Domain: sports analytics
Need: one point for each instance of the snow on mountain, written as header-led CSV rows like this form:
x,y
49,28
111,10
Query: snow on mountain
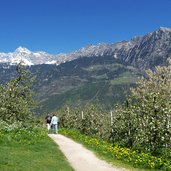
x,y
26,56
21,50
139,50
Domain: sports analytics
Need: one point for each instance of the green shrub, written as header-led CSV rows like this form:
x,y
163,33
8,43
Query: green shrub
x,y
18,133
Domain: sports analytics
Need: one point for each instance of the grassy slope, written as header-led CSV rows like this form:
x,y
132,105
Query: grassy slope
x,y
105,93
109,83
41,156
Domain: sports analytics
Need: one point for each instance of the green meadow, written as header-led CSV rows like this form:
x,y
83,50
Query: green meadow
x,y
29,151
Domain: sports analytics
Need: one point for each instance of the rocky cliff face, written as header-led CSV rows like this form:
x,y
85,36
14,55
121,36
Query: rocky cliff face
x,y
151,50
142,52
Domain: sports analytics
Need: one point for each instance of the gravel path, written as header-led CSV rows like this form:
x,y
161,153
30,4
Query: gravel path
x,y
79,157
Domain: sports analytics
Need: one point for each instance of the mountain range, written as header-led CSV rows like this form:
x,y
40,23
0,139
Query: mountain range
x,y
141,51
103,71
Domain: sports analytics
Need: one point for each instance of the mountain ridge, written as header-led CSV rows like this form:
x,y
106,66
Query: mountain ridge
x,y
135,52
103,72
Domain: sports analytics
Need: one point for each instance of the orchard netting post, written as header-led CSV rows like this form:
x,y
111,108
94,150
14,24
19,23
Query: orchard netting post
x,y
82,115
111,117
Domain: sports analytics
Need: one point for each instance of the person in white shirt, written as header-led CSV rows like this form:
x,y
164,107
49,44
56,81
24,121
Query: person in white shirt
x,y
54,123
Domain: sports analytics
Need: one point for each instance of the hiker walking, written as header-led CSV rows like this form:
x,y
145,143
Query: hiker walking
x,y
54,123
48,122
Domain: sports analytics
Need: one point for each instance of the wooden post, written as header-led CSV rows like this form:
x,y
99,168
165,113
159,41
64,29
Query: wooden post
x,y
82,115
68,110
111,118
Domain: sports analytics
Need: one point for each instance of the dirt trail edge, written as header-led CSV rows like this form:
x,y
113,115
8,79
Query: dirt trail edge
x,y
79,157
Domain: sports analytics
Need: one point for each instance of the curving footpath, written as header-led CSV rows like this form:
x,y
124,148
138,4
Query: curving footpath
x,y
79,157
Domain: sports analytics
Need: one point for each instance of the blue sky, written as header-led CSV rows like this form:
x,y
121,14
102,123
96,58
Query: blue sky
x,y
61,26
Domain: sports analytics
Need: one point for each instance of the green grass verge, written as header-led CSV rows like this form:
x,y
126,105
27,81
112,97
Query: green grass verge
x,y
116,155
42,155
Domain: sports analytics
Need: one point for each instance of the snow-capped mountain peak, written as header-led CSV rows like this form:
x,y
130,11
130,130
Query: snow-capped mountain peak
x,y
26,56
139,49
22,50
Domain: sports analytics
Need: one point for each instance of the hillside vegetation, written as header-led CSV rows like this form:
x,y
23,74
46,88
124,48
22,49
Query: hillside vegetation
x,y
139,131
83,82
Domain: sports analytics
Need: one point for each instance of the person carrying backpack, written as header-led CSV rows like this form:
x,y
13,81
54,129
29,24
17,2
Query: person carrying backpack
x,y
48,122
